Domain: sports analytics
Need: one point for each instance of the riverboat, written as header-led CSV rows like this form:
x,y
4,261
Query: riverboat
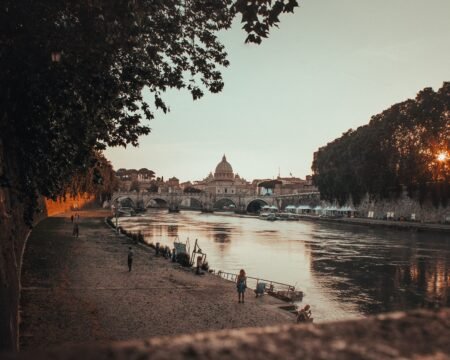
x,y
268,213
288,216
271,217
174,210
288,296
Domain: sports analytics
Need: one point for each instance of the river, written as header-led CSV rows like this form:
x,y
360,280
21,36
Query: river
x,y
345,271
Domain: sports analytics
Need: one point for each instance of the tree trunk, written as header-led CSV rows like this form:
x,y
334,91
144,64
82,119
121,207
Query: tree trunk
x,y
13,234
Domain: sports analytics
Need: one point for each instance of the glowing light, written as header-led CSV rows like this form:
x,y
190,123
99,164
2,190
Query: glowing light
x,y
442,156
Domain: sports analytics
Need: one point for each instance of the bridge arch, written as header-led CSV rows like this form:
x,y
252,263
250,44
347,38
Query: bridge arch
x,y
156,202
191,202
124,201
255,205
224,204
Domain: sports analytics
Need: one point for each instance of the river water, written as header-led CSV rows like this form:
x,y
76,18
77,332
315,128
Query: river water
x,y
345,271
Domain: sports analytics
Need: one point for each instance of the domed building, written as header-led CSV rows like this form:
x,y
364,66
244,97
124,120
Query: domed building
x,y
224,171
224,181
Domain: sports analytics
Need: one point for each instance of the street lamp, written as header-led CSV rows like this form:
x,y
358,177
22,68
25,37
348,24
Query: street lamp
x,y
56,56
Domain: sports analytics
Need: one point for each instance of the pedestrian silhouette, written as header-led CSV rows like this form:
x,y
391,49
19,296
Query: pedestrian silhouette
x,y
130,258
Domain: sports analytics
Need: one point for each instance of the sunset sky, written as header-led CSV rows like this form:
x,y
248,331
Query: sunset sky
x,y
330,67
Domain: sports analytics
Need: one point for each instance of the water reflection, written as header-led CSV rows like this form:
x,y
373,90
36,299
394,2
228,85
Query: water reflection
x,y
346,271
221,234
172,230
391,271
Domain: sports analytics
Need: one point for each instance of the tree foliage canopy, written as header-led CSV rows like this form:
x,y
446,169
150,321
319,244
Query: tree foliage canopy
x,y
98,179
407,145
73,73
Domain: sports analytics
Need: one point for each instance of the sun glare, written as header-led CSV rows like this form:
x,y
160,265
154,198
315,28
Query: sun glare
x,y
442,156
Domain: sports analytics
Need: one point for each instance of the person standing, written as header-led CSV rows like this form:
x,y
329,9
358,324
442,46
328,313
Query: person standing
x,y
174,255
241,285
71,218
199,264
130,258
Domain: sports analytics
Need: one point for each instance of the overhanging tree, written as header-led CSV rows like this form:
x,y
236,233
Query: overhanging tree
x,y
73,74
71,83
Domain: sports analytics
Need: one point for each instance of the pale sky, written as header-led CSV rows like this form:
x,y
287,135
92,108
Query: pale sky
x,y
328,68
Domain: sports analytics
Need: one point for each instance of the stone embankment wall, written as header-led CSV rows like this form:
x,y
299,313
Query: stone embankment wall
x,y
415,335
404,206
68,203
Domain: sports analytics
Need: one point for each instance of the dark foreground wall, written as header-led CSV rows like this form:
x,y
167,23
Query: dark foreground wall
x,y
13,234
415,335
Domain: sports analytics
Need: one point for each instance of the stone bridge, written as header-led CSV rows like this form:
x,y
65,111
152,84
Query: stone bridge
x,y
248,203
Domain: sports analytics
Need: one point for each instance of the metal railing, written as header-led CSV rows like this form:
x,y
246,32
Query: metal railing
x,y
271,286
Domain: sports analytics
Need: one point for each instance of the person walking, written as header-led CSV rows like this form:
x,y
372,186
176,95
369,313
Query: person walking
x,y
130,258
241,285
76,230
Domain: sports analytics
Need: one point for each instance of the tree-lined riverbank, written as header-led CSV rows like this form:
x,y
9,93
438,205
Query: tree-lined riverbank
x,y
80,290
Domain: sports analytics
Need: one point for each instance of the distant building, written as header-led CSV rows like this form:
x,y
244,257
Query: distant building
x,y
132,179
224,181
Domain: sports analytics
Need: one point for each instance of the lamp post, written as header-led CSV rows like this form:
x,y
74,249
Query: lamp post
x,y
56,56
116,214
117,220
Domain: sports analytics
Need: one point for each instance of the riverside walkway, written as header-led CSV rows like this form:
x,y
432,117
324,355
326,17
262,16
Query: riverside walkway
x,y
78,291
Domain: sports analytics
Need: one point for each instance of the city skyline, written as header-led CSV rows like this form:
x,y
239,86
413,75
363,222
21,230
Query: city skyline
x,y
329,68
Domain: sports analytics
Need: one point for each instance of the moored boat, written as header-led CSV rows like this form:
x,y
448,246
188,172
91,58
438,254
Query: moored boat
x,y
268,213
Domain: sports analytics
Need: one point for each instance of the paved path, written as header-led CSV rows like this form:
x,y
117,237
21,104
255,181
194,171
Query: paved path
x,y
80,290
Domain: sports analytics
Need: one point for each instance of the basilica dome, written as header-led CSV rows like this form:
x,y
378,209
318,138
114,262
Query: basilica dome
x,y
224,171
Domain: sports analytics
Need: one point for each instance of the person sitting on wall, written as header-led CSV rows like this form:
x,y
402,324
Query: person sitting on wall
x,y
304,315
